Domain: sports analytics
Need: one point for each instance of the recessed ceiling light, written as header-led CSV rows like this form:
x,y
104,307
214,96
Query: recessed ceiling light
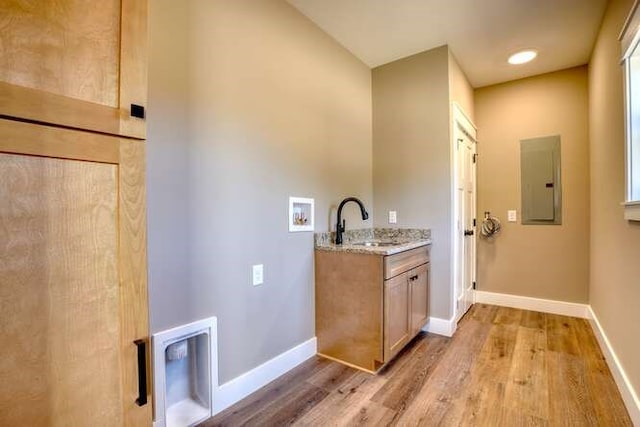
x,y
523,57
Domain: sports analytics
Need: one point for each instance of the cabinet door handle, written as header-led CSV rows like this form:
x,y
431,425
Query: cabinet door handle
x,y
142,372
137,111
412,278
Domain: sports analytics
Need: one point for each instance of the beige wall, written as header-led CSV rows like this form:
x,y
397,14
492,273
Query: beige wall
x,y
251,103
412,156
167,163
275,108
615,243
460,91
544,261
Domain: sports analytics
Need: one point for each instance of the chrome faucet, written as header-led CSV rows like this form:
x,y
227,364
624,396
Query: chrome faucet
x,y
341,223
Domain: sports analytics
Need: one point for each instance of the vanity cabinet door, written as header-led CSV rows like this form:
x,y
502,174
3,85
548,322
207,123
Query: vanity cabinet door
x,y
419,283
397,321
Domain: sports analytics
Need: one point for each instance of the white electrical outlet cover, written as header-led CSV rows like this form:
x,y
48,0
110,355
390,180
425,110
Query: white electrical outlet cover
x,y
393,217
512,216
257,274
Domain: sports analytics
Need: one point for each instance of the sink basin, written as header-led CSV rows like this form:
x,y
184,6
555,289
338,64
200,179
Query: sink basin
x,y
377,243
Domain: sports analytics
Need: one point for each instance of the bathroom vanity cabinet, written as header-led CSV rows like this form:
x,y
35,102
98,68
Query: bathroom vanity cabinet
x,y
369,306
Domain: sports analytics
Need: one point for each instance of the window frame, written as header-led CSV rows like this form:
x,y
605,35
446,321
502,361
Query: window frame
x,y
630,42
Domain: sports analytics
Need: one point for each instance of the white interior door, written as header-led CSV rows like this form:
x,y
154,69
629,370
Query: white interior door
x,y
465,229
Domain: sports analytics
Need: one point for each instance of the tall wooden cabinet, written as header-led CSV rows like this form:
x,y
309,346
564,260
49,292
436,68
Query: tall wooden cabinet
x,y
73,271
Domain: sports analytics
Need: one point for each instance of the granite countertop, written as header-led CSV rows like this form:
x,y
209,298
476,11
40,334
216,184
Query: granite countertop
x,y
403,239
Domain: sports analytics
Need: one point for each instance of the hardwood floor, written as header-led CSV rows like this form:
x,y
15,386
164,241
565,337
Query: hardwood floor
x,y
504,367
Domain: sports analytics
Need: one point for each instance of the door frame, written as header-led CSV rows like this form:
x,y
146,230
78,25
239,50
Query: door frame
x,y
459,119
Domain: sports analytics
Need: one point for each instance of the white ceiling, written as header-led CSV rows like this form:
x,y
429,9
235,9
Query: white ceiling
x,y
480,33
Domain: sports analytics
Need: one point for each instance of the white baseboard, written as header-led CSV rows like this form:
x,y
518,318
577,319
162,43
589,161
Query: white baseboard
x,y
439,326
629,395
240,387
534,304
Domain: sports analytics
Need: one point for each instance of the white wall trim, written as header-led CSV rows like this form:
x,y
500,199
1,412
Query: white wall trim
x,y
629,396
534,304
439,326
240,387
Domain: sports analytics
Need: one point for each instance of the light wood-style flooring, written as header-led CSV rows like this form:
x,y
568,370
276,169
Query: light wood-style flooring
x,y
503,367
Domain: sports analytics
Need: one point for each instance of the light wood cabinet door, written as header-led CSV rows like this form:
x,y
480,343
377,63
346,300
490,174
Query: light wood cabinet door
x,y
73,284
73,291
419,283
396,315
75,63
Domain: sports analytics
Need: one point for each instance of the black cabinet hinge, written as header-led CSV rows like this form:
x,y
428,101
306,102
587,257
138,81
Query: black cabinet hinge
x,y
474,285
474,222
475,158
